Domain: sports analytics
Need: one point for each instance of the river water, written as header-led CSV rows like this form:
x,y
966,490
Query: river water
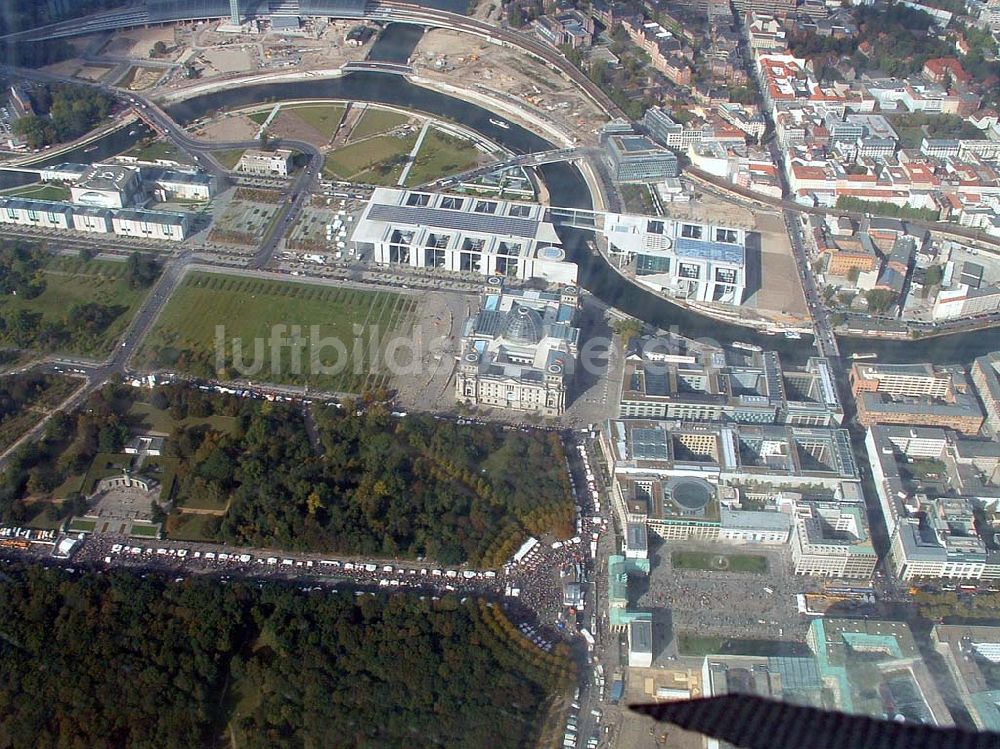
x,y
396,43
567,188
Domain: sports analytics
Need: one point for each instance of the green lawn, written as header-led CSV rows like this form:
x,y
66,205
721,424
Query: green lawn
x,y
260,117
40,191
158,149
441,155
191,527
70,281
148,418
41,519
377,161
375,121
146,531
87,526
696,560
72,485
230,158
325,118
250,310
202,503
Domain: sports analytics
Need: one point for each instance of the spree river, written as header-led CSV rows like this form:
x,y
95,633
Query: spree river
x,y
567,188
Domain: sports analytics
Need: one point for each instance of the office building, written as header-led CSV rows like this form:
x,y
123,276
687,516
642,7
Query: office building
x,y
986,377
635,159
929,483
275,163
43,214
872,667
707,387
917,394
151,224
168,184
831,540
519,351
94,220
462,234
640,643
971,654
46,214
741,484
692,261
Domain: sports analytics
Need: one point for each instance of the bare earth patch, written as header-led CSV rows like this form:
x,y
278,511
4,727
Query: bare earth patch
x,y
228,129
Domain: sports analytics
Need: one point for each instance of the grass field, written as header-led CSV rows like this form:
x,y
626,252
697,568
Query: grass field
x,y
230,158
376,161
324,118
440,155
72,485
148,418
158,149
40,191
70,281
375,121
260,117
146,531
250,311
696,560
87,526
191,527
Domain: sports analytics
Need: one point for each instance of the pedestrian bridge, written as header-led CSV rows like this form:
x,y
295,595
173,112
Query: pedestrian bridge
x,y
378,67
538,158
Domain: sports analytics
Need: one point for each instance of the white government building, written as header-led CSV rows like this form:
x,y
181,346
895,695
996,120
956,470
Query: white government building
x,y
47,214
265,163
462,234
103,200
519,350
687,260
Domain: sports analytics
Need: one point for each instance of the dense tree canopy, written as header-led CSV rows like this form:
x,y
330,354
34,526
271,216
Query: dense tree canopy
x,y
63,112
21,266
896,37
122,660
366,483
409,487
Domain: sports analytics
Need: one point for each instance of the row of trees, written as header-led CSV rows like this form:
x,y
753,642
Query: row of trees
x,y
123,660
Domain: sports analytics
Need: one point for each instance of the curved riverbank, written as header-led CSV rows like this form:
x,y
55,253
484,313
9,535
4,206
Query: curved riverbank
x,y
567,187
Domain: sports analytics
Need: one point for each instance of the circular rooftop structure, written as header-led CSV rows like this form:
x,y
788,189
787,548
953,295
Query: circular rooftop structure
x,y
552,253
690,495
523,326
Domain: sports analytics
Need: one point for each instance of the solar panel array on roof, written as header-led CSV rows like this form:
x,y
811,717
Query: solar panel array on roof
x,y
649,444
455,220
702,249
